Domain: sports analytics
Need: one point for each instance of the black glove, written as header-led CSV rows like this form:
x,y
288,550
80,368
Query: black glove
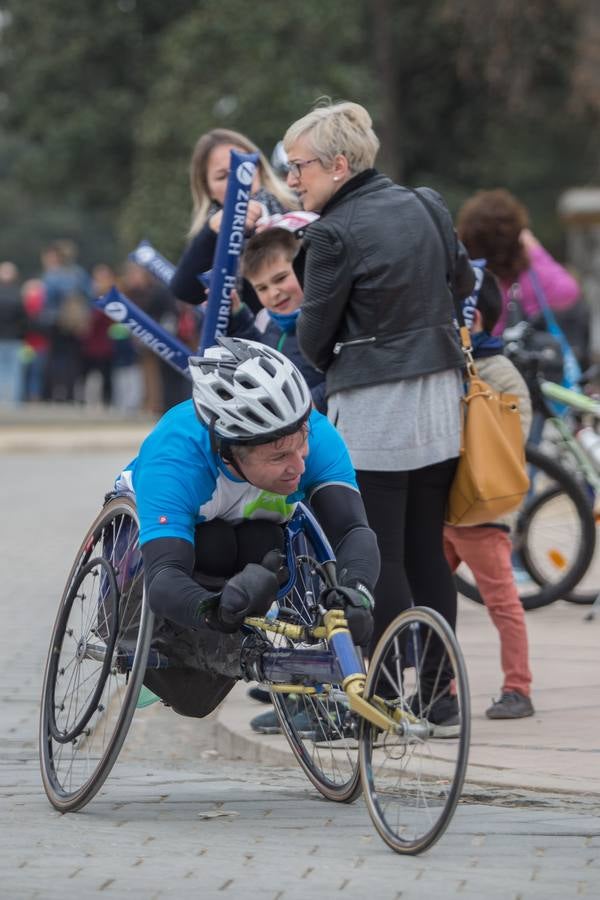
x,y
357,604
249,593
359,613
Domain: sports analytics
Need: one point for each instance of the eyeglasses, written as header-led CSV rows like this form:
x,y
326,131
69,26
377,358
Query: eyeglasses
x,y
295,168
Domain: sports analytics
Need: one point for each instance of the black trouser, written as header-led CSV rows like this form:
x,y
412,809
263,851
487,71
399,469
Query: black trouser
x,y
205,664
406,512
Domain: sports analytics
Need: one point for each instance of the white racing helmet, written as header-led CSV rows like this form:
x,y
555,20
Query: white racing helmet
x,y
248,393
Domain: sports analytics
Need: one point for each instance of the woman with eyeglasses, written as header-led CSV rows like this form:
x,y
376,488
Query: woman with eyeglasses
x,y
377,317
209,171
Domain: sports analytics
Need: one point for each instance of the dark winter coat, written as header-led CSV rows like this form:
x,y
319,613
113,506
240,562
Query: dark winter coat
x,y
377,305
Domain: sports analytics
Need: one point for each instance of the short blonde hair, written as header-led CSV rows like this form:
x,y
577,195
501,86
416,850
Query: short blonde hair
x,y
338,128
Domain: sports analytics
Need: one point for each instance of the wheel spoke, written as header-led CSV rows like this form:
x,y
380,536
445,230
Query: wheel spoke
x,y
319,727
87,704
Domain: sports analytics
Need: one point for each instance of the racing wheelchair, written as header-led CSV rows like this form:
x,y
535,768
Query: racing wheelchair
x,y
358,728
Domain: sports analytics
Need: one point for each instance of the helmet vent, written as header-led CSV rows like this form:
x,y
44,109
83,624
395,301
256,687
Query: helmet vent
x,y
268,366
288,394
246,382
269,407
298,382
250,414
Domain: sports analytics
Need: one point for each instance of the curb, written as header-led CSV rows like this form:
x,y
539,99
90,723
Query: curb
x,y
235,738
483,783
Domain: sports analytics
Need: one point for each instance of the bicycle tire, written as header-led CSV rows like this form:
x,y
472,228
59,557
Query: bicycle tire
x,y
583,596
545,593
412,780
72,777
73,729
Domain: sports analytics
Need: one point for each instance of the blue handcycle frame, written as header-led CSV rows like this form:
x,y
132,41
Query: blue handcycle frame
x,y
311,665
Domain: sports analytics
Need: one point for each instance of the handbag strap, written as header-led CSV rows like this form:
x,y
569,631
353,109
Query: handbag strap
x,y
465,334
551,323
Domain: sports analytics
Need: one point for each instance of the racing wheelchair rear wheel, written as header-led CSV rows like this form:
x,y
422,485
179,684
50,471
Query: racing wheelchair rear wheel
x,y
96,661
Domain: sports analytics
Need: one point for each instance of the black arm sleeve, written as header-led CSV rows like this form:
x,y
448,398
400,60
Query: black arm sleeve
x,y
196,259
172,592
341,514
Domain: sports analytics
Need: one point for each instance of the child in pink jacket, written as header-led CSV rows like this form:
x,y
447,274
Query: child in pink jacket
x,y
495,226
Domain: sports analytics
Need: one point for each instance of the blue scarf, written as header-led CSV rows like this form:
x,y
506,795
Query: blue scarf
x,y
287,322
486,344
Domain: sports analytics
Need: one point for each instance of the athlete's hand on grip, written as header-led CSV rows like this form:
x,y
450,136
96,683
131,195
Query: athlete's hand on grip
x,y
249,593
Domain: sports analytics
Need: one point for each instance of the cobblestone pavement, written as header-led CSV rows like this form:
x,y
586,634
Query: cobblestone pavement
x,y
177,819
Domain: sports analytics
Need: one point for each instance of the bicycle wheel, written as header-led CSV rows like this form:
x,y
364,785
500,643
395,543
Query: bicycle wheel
x,y
96,661
587,589
412,780
553,540
320,728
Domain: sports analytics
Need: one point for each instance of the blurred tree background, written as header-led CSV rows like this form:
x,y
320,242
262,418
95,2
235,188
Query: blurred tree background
x,y
101,103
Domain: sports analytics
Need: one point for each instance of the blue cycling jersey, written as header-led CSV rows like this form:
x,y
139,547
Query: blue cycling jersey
x,y
179,482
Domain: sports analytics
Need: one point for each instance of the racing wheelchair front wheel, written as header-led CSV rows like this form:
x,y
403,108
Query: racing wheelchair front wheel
x,y
96,661
412,779
319,727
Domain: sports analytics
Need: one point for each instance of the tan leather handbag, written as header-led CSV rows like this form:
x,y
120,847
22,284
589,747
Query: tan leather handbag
x,y
491,477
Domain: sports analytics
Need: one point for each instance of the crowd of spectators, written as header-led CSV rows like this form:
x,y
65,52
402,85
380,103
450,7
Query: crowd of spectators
x,y
57,346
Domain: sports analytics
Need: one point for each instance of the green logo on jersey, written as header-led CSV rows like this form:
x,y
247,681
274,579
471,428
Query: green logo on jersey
x,y
274,504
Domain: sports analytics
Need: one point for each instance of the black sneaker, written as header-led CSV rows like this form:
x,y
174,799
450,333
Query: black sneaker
x,y
259,694
443,715
268,722
511,705
305,721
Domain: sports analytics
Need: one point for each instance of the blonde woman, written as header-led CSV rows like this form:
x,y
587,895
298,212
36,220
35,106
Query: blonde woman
x,y
377,319
209,171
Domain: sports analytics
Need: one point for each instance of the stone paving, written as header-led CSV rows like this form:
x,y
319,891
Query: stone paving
x,y
182,815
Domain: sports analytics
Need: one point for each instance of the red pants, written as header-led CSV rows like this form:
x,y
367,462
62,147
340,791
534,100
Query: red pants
x,y
487,552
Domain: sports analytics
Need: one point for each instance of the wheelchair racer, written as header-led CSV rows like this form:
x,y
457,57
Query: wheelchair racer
x,y
215,482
